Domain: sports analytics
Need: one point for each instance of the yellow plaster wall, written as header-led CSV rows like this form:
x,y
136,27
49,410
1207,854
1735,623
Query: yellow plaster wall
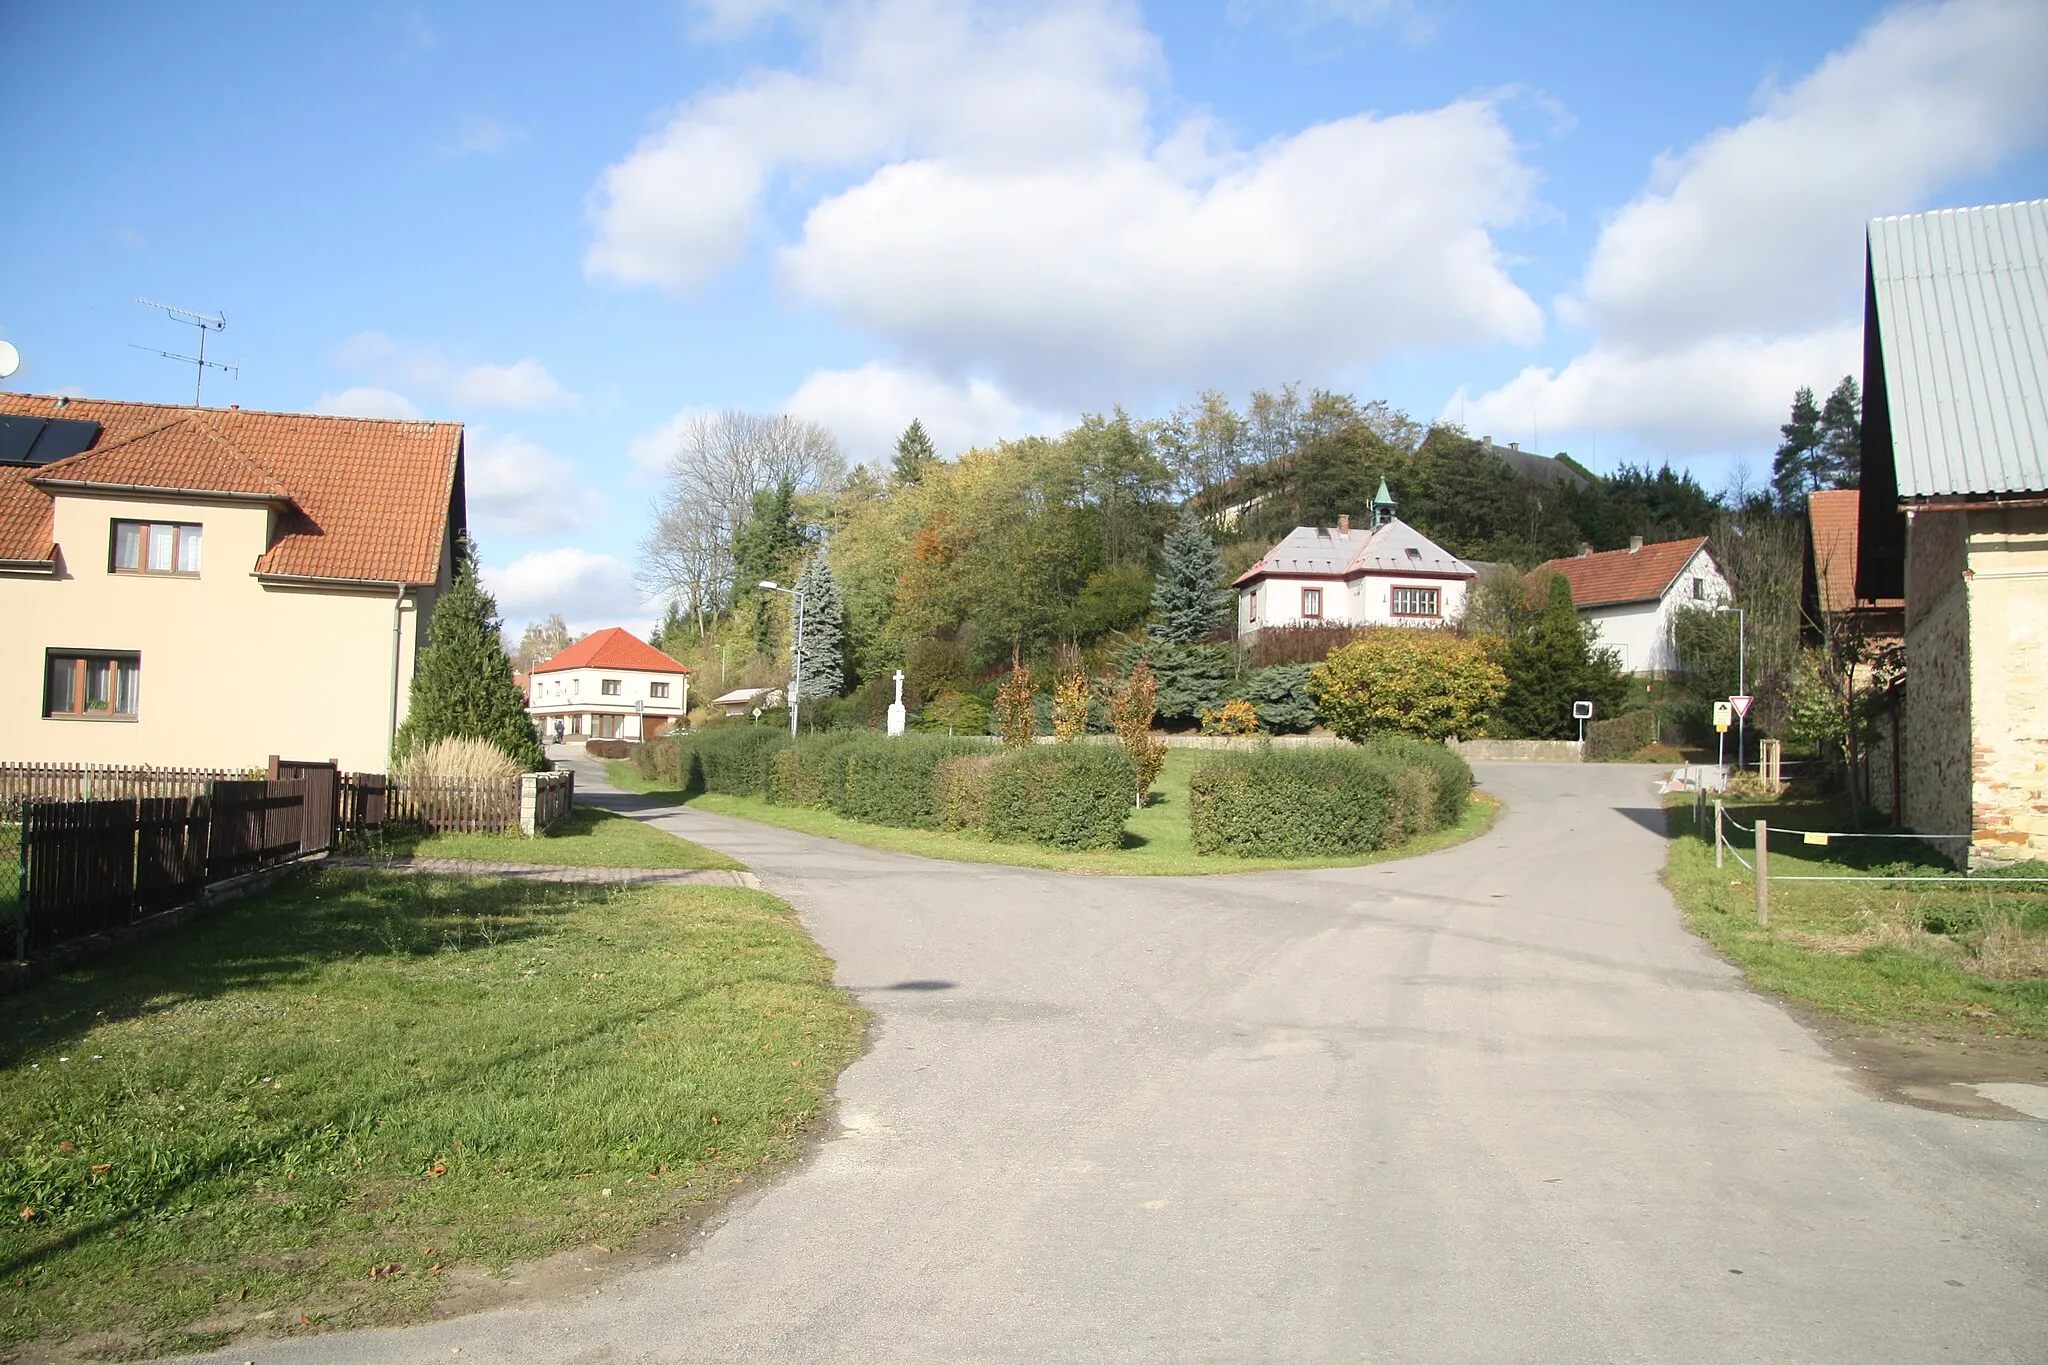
x,y
232,671
2008,591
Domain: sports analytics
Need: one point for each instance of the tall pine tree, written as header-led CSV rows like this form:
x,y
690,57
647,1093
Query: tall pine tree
x,y
914,453
765,548
1186,596
1840,457
823,673
1792,468
463,688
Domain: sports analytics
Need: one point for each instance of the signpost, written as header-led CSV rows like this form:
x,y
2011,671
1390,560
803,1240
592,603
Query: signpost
x,y
1723,715
1582,711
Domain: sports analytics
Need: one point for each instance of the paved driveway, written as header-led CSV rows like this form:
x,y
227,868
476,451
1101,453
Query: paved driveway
x,y
1489,1105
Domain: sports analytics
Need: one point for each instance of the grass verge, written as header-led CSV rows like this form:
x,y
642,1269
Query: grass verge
x,y
1157,842
312,1108
1962,959
588,838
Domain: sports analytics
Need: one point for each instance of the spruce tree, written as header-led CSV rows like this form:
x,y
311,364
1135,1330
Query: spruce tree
x,y
1551,662
824,667
914,453
764,547
1792,468
1186,596
462,687
1839,460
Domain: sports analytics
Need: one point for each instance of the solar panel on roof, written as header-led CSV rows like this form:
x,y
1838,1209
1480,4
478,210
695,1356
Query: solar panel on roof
x,y
17,435
63,437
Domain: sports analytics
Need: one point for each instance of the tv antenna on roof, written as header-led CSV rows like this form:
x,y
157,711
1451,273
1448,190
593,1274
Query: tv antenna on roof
x,y
205,322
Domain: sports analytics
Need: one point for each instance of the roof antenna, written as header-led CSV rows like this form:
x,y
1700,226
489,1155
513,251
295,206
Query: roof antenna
x,y
205,323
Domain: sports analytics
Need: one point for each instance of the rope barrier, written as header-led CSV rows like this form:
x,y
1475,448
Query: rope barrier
x,y
1909,877
1828,836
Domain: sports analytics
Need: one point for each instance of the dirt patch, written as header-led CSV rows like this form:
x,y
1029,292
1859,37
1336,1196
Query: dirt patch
x,y
1927,1068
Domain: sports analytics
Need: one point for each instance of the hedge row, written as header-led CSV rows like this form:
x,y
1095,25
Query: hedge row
x,y
1622,736
1064,795
1275,803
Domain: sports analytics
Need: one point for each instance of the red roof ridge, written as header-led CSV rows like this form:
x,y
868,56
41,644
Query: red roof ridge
x,y
612,647
189,410
85,459
1612,577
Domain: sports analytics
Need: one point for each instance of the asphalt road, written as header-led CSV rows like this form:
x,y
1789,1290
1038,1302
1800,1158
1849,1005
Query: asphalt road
x,y
1493,1104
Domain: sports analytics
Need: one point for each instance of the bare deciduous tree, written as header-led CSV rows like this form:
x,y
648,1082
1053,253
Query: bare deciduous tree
x,y
720,462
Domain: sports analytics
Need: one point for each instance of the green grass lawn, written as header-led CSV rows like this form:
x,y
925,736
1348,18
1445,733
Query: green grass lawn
x,y
1157,841
1969,959
233,1126
588,838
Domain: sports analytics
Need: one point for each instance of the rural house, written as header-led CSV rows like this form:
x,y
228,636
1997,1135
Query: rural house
x,y
1387,574
1954,504
1633,595
1828,596
205,586
608,685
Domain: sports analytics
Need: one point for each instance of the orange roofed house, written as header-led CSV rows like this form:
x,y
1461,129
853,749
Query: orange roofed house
x,y
204,587
610,684
1634,594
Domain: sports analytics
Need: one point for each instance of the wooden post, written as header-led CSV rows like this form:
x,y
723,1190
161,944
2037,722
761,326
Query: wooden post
x,y
1718,854
1763,873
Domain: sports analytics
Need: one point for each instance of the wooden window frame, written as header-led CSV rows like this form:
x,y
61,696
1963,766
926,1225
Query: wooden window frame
x,y
658,689
1306,594
143,528
1436,596
126,661
608,687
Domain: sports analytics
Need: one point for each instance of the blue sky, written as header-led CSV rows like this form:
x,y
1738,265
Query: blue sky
x,y
1627,231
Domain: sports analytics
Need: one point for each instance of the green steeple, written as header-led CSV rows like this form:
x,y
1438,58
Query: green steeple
x,y
1382,506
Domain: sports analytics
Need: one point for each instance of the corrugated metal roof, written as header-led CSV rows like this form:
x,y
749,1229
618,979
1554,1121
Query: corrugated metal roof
x,y
1962,307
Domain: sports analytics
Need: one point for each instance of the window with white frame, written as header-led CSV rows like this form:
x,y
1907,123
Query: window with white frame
x,y
1311,604
156,547
1417,602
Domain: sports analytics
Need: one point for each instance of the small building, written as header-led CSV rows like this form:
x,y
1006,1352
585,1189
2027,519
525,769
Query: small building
x,y
744,701
203,587
1388,574
610,684
1954,518
1634,595
1829,602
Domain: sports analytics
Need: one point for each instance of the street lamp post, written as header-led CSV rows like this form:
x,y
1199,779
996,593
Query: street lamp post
x,y
796,651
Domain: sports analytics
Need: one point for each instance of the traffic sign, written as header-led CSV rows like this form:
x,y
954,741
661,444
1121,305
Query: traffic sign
x,y
1582,710
1741,704
1724,715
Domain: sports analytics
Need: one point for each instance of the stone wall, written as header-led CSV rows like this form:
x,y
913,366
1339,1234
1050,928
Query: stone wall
x,y
1935,728
2008,707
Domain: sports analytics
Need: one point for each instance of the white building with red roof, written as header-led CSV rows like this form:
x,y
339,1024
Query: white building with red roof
x,y
1388,574
610,684
1634,595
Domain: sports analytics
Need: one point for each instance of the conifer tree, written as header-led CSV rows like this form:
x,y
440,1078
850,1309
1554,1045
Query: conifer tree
x,y
1551,662
463,688
1186,597
824,666
1792,468
914,453
1840,457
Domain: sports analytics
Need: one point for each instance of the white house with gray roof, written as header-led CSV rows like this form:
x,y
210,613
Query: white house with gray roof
x,y
1387,574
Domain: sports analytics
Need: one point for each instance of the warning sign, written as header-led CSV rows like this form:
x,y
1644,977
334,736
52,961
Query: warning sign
x,y
1741,704
1724,716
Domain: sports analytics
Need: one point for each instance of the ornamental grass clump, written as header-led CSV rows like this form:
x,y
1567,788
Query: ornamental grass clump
x,y
465,762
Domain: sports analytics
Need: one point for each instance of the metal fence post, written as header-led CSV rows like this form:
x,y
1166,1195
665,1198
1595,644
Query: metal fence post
x,y
1763,873
1718,855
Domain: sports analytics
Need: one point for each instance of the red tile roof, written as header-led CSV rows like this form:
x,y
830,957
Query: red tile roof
x,y
612,647
1832,517
1613,577
370,500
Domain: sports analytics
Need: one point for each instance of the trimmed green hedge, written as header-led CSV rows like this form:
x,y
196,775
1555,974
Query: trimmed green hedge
x,y
1607,740
961,787
1062,795
812,771
734,760
893,780
1451,777
1282,803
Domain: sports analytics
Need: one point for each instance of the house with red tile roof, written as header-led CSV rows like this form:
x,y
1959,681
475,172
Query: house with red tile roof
x,y
1385,574
207,586
1828,591
1633,595
610,684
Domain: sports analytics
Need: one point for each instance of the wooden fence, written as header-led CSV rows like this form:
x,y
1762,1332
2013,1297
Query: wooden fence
x,y
21,782
454,806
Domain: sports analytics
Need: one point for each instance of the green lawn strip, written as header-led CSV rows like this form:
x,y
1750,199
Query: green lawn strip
x,y
588,838
232,1126
1157,841
1864,951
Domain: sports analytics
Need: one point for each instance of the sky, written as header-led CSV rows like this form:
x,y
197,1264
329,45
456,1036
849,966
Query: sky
x,y
1628,232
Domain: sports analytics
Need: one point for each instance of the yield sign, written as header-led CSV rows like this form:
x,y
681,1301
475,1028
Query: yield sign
x,y
1741,704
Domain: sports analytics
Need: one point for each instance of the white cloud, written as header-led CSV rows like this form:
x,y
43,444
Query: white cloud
x,y
590,591
479,135
428,370
366,402
868,408
1005,204
649,453
517,486
1736,276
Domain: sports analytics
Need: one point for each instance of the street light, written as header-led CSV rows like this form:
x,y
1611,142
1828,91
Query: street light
x,y
1741,673
796,651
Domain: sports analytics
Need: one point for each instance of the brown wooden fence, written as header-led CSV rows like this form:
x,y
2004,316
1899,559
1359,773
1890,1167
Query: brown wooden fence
x,y
21,782
78,870
453,806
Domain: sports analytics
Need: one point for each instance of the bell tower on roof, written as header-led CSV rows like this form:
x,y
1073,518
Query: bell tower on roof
x,y
1382,506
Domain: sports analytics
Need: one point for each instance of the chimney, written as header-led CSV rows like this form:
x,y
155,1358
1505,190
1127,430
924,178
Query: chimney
x,y
1486,440
1635,544
1514,445
1343,523
1585,548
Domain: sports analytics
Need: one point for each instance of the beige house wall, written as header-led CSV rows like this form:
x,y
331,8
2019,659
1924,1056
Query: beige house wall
x,y
2008,704
231,670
